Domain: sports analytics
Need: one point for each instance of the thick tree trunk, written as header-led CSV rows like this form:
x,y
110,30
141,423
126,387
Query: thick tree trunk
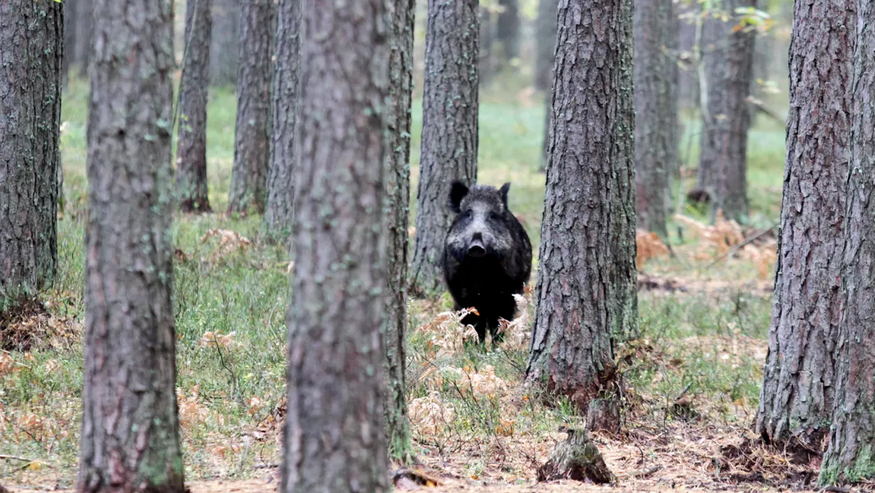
x,y
224,42
798,381
586,287
449,129
728,59
852,434
655,112
279,215
31,44
191,152
81,52
249,175
546,45
130,431
398,211
507,30
334,434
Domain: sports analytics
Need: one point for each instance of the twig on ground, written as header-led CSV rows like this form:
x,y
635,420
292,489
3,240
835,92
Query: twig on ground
x,y
741,245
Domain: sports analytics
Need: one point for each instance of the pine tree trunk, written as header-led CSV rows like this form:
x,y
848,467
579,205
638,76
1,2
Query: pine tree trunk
x,y
586,287
31,38
130,431
688,77
546,45
798,381
279,215
398,196
69,41
655,112
84,35
486,65
191,152
850,455
224,42
249,175
334,434
449,130
507,30
728,63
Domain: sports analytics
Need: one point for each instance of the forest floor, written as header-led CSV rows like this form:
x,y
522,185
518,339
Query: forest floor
x,y
691,381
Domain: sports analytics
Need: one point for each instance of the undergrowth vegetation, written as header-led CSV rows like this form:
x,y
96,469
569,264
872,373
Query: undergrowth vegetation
x,y
698,362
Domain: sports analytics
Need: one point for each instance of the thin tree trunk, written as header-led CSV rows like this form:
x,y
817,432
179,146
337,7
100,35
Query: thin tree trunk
x,y
69,41
507,30
852,434
31,38
130,431
798,381
655,112
728,63
688,78
487,64
81,53
398,196
224,42
586,291
191,153
546,45
249,175
334,435
449,129
279,215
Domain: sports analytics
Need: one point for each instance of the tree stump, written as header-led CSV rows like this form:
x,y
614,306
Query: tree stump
x,y
603,415
576,458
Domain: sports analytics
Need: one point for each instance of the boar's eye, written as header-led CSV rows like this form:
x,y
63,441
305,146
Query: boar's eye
x,y
494,216
466,214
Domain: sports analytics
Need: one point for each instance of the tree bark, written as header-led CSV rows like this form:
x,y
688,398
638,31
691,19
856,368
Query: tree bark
x,y
728,59
798,380
334,435
81,52
130,431
249,175
398,211
31,38
655,112
507,30
449,130
850,455
546,45
486,65
586,287
69,41
224,42
191,152
688,77
279,215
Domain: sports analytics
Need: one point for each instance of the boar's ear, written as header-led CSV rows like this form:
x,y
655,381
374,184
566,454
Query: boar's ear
x,y
458,191
503,193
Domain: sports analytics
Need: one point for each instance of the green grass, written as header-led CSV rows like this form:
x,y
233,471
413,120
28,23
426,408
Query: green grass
x,y
226,391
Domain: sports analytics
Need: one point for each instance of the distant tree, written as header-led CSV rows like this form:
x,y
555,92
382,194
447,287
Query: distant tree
x,y
130,428
224,42
449,129
688,25
31,48
334,433
249,175
796,401
191,152
728,63
507,29
586,291
81,52
486,65
655,112
398,211
849,457
546,47
69,41
279,214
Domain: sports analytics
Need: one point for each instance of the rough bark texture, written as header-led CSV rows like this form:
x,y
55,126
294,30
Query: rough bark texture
x,y
798,380
334,434
224,42
576,458
546,45
249,176
191,151
507,29
130,430
31,44
397,217
655,112
449,129
850,456
586,287
280,210
728,59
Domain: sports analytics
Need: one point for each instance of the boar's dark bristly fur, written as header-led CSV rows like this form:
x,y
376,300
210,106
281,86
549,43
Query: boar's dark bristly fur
x,y
487,255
